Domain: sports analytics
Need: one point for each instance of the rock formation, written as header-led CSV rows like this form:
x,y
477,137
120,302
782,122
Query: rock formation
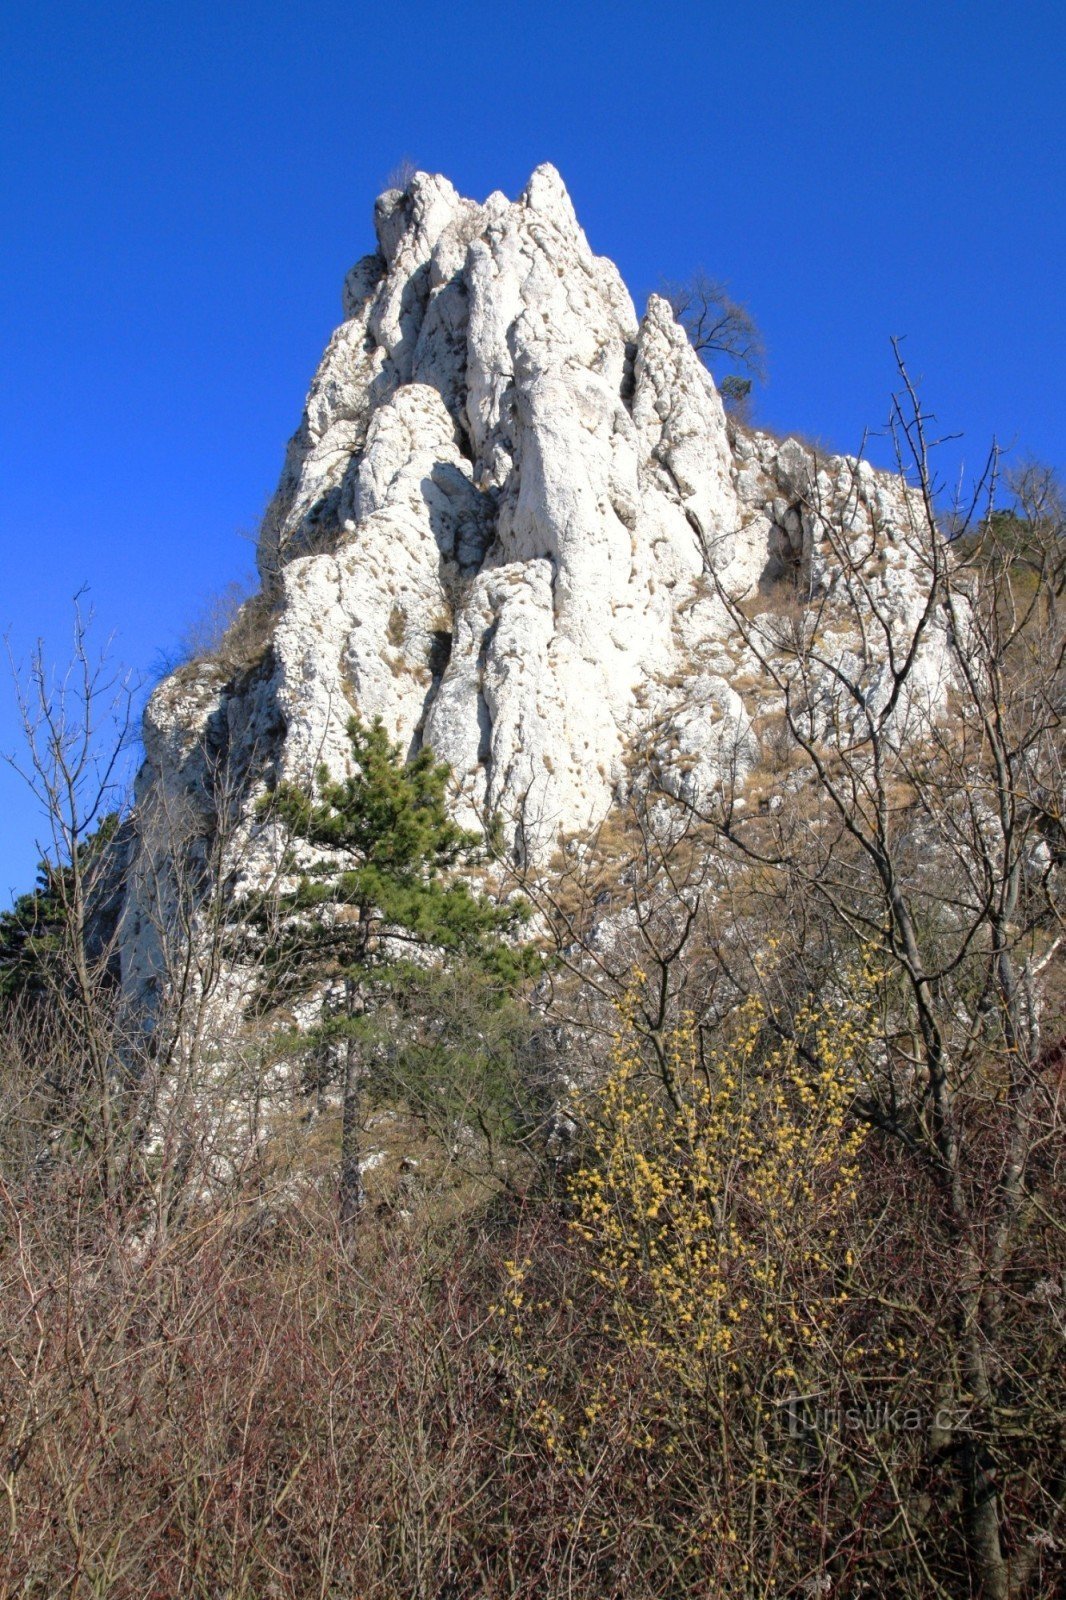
x,y
503,526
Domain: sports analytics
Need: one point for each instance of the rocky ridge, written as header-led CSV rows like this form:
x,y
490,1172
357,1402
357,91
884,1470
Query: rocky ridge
x,y
503,525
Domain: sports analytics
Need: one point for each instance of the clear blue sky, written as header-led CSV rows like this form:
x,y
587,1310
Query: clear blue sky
x,y
184,185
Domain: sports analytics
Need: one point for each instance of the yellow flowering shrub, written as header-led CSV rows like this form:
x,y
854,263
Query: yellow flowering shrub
x,y
714,1211
714,1224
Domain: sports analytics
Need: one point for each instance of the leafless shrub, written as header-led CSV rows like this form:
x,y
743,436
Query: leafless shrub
x,y
401,174
233,629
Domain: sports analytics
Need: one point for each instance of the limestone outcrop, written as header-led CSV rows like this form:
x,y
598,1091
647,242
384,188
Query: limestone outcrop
x,y
503,526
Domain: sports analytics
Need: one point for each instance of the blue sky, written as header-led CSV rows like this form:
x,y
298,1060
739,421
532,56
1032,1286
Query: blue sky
x,y
185,184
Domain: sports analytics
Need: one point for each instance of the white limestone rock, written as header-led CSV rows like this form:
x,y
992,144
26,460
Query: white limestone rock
x,y
503,526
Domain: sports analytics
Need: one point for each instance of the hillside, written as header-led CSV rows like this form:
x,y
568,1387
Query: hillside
x,y
553,1086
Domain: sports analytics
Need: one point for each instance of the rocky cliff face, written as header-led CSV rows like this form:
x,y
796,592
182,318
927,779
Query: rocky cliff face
x,y
502,526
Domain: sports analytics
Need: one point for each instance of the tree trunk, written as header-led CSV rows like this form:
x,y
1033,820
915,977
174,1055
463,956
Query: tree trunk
x,y
351,1178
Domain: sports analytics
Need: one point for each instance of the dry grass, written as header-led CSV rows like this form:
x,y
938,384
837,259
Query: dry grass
x,y
234,630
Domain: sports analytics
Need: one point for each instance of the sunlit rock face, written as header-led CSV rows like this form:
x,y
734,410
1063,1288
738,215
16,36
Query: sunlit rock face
x,y
503,493
503,525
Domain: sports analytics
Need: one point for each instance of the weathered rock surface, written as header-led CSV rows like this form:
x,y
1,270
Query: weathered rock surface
x,y
498,527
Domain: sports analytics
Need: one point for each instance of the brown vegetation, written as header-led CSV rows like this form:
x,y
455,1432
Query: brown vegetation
x,y
736,1268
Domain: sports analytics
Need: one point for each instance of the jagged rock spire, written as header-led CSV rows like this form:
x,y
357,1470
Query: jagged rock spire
x,y
501,489
497,528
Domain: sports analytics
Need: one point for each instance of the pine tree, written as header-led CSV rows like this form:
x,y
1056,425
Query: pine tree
x,y
384,897
31,936
36,932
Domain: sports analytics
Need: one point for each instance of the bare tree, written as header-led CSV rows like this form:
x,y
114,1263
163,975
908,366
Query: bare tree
x,y
720,326
76,724
906,822
923,822
154,1071
1035,535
